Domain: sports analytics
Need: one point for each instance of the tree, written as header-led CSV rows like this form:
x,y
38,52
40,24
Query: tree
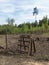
x,y
48,21
10,21
45,22
40,22
28,24
35,13
35,23
10,27
20,25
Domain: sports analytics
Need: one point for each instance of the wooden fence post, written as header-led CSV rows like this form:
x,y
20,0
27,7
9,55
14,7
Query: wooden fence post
x,y
30,48
34,46
6,41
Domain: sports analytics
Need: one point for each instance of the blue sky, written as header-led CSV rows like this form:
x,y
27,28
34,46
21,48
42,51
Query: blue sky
x,y
21,10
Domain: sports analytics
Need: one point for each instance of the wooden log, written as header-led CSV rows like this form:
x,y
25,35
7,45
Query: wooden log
x,y
1,47
34,46
30,48
20,46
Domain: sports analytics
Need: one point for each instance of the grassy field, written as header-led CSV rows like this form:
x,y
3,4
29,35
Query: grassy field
x,y
41,57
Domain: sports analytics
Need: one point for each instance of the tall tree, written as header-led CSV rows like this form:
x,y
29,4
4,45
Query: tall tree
x,y
45,22
35,13
10,21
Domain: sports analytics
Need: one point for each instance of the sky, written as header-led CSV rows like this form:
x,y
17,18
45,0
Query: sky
x,y
22,10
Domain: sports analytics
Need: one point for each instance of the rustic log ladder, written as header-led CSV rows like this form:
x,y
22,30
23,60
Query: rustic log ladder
x,y
30,41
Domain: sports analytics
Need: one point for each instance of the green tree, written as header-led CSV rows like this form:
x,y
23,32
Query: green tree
x,y
35,23
28,24
45,22
25,28
40,22
10,27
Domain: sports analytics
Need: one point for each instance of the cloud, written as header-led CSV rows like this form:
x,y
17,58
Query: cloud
x,y
3,0
22,10
8,10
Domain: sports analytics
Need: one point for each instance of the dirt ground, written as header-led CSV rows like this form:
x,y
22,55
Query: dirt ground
x,y
41,57
20,60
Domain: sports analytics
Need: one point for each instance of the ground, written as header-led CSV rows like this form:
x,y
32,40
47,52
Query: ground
x,y
20,60
41,57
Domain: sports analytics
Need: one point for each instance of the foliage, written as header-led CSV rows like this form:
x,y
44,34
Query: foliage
x,y
10,28
10,21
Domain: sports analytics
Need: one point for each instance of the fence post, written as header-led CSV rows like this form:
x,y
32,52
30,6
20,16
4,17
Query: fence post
x,y
34,46
6,40
30,48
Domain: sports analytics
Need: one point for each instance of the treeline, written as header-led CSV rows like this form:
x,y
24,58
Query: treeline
x,y
10,28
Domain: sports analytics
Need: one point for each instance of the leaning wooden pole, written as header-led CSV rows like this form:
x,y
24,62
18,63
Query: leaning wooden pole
x,y
6,39
34,46
30,48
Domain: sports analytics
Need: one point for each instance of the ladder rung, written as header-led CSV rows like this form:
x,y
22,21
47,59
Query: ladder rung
x,y
24,41
23,45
